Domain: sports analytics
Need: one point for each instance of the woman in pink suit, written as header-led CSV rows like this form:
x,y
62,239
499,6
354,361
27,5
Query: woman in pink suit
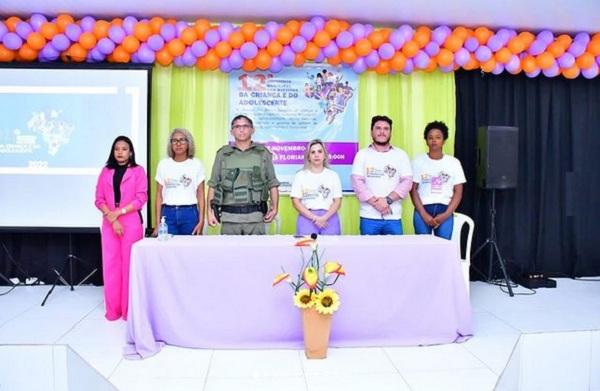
x,y
121,192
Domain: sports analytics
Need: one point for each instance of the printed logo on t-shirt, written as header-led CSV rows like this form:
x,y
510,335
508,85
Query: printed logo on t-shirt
x,y
374,172
311,194
324,191
184,181
390,170
436,182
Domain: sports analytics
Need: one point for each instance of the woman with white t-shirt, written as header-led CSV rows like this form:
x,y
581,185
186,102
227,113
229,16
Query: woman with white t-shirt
x,y
317,193
437,184
180,186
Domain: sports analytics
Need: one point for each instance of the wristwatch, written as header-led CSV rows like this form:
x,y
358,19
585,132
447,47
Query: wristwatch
x,y
123,211
389,200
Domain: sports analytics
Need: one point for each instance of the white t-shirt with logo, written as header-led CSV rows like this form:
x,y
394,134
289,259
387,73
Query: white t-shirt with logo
x,y
382,172
180,180
316,190
436,178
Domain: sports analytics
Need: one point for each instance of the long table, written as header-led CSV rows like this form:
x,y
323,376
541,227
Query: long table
x,y
215,292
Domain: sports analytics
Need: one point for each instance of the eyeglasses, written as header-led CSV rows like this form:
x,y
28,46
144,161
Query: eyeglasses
x,y
244,126
179,141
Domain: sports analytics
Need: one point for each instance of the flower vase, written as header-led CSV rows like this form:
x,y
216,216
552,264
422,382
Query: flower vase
x,y
317,328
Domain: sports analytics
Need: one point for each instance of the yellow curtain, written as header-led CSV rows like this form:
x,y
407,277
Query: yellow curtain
x,y
198,101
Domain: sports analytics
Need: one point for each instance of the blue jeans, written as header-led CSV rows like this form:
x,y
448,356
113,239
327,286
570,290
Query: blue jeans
x,y
380,227
443,231
181,220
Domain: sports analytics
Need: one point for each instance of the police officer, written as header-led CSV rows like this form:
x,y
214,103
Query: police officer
x,y
241,184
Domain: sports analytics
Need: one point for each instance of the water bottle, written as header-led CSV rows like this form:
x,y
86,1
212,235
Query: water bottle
x,y
163,229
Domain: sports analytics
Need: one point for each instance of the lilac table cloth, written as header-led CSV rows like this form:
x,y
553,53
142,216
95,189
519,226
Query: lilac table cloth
x,y
215,292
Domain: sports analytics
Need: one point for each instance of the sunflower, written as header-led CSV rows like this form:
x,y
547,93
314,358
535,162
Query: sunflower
x,y
304,299
327,302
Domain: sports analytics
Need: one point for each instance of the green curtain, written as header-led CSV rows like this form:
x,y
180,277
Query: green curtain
x,y
198,101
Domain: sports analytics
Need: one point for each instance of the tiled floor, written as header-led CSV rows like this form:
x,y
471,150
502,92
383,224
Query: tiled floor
x,y
76,318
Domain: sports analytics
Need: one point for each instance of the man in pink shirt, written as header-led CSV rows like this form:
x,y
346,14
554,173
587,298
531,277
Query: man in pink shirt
x,y
381,178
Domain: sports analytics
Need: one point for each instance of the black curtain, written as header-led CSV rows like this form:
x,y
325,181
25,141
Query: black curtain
x,y
549,223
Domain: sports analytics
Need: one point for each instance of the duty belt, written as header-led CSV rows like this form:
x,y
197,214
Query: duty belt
x,y
241,209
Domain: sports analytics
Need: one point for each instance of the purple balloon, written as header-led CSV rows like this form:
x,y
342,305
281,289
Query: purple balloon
x,y
546,37
298,44
262,38
421,59
534,73
566,60
308,31
199,48
439,34
598,60
503,34
179,27
513,65
386,51
276,65
447,68
581,37
235,59
225,66
407,32
49,53
331,50
248,50
287,56
359,65
168,32
105,46
372,59
156,42
495,43
3,29
577,48
461,57
116,34
483,53
320,57
344,40
471,44
12,41
73,31
536,47
225,29
432,48
60,42
212,38
36,21
129,23
318,21
189,59
368,29
95,55
272,28
23,29
498,69
409,66
397,39
591,72
357,30
553,71
177,61
87,23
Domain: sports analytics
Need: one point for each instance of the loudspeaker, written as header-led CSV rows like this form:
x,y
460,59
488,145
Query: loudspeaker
x,y
497,157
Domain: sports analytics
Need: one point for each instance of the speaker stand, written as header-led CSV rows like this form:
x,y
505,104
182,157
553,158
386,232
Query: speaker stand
x,y
493,247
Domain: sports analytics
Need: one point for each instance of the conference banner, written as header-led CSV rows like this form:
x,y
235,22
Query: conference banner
x,y
297,105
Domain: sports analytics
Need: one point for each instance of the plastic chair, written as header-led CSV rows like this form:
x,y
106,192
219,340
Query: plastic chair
x,y
459,221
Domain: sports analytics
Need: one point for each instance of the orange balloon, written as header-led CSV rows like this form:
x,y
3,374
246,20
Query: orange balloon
x,y
248,29
236,39
87,40
453,42
163,57
176,47
117,22
348,55
383,67
299,60
386,34
398,61
516,45
294,26
201,64
556,48
212,59
363,47
223,49
483,34
312,51
526,37
274,48
188,35
26,53
130,44
376,38
156,23
503,55
488,65
445,57
63,20
336,60
585,61
564,39
49,30
529,64
322,38
333,27
410,49
431,65
472,63
201,26
36,40
594,47
76,53
11,23
461,32
101,28
572,72
142,31
249,65
284,35
6,55
263,60
344,25
422,36
545,60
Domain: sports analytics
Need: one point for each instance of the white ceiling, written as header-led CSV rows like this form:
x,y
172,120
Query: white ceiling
x,y
533,15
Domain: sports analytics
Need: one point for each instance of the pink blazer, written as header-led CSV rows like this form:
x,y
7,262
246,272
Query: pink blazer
x,y
134,189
